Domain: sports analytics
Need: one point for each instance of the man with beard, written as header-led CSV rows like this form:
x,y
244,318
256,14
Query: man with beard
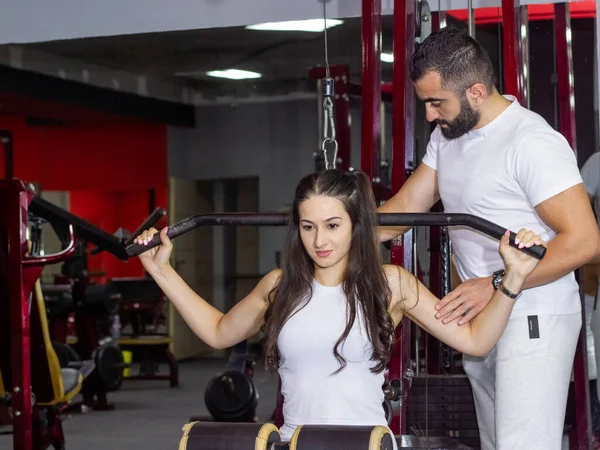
x,y
491,157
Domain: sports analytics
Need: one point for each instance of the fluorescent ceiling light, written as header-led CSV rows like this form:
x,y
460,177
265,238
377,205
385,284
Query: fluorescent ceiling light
x,y
311,25
234,74
387,57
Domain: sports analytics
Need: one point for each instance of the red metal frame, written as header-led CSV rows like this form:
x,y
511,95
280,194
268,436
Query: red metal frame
x,y
371,87
581,435
402,160
403,151
514,21
20,285
564,69
17,280
341,108
434,346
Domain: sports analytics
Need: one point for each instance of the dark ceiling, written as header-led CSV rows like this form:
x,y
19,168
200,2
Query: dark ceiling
x,y
282,57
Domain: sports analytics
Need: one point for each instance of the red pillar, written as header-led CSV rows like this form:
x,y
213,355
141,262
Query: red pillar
x,y
581,436
515,42
371,87
403,155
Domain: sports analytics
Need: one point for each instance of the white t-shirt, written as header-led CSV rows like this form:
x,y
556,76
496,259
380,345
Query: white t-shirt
x,y
500,172
312,395
590,173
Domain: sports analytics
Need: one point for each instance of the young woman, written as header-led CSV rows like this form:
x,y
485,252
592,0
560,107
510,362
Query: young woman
x,y
329,315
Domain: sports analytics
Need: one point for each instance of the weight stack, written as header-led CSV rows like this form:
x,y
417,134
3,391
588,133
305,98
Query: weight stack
x,y
447,403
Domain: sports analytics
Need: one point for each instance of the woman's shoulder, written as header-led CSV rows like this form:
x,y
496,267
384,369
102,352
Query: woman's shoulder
x,y
394,273
400,281
269,282
394,276
272,278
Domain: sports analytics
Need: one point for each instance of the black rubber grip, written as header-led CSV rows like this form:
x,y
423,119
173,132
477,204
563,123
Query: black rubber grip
x,y
150,221
387,219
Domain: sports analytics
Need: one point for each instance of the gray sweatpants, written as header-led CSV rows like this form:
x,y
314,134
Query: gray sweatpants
x,y
520,388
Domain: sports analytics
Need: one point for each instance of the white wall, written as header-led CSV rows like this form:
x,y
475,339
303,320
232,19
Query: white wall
x,y
273,141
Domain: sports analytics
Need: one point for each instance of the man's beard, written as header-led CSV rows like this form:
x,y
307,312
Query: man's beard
x,y
463,123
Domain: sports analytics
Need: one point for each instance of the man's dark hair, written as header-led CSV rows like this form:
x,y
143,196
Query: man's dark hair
x,y
459,59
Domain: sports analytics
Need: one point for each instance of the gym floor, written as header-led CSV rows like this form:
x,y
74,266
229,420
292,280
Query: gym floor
x,y
149,415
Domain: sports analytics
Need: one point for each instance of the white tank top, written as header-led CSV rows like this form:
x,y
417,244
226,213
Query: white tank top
x,y
312,395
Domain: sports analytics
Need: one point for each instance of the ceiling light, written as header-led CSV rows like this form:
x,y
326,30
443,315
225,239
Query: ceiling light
x,y
310,25
234,74
387,57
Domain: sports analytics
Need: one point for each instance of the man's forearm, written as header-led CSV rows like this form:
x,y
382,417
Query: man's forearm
x,y
389,233
564,255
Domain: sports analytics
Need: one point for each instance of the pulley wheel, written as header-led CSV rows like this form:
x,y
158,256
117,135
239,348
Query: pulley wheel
x,y
231,396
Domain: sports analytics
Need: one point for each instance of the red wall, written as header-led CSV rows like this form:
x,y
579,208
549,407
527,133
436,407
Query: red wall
x,y
107,169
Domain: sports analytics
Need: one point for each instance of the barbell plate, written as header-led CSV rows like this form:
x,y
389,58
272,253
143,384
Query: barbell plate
x,y
230,396
109,366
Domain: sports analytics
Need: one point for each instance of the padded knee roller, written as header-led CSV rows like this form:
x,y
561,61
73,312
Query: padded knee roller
x,y
340,437
228,436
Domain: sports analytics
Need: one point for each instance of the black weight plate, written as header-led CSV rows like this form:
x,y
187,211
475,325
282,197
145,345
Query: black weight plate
x,y
58,304
101,299
65,354
230,396
109,366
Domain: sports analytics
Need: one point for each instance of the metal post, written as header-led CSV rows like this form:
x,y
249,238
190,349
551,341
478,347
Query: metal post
x,y
581,437
514,25
371,87
564,69
471,19
403,155
15,289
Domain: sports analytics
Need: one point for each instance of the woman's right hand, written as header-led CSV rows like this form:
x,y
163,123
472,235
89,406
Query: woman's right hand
x,y
157,258
516,261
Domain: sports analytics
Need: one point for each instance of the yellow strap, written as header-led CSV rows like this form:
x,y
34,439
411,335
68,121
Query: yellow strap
x,y
53,363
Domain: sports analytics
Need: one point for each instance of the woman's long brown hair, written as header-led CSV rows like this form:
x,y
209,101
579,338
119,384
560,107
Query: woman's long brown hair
x,y
364,281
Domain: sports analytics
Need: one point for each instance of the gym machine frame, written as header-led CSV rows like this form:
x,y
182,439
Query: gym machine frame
x,y
516,60
20,272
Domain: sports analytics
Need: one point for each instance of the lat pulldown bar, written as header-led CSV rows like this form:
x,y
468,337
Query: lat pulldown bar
x,y
385,219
